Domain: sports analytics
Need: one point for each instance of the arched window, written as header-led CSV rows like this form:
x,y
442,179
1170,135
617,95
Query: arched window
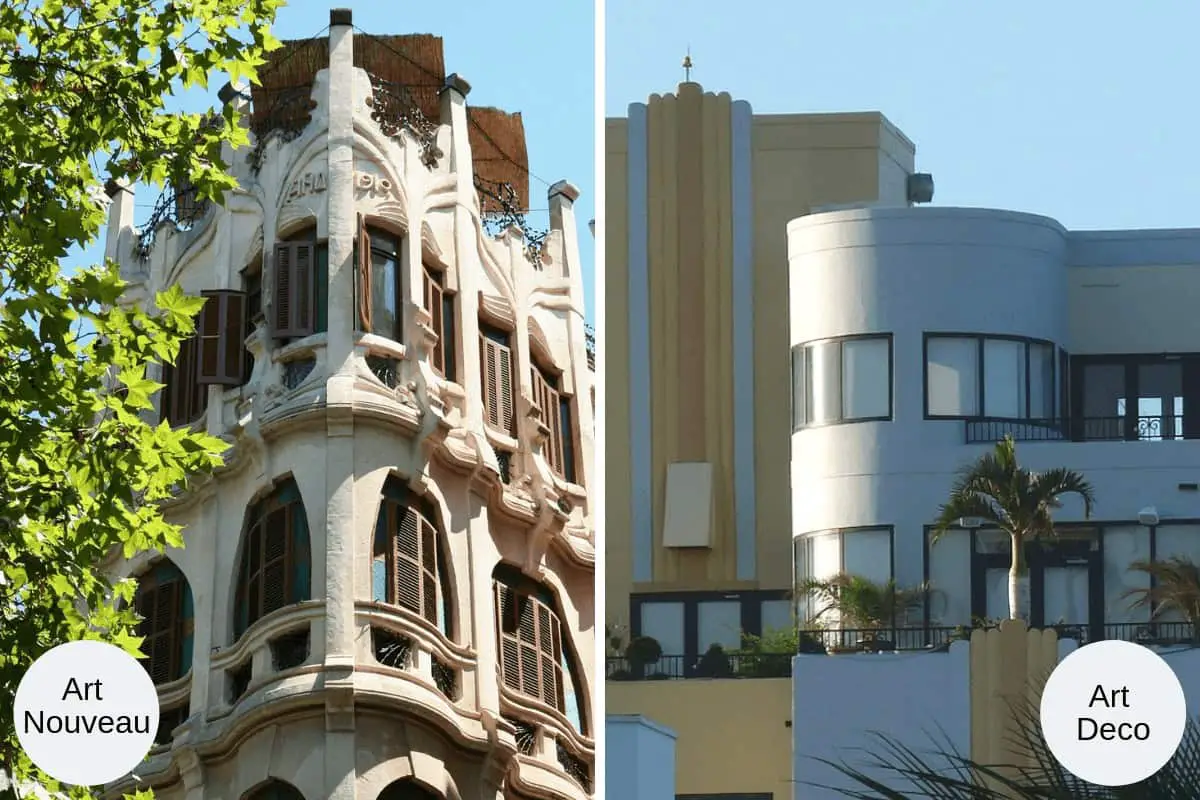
x,y
275,565
535,652
164,602
273,790
407,559
407,789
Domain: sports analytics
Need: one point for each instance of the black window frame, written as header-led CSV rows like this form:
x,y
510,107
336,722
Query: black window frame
x,y
751,616
841,534
981,340
801,383
1189,364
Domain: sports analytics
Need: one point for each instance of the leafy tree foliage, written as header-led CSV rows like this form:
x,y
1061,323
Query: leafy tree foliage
x,y
84,92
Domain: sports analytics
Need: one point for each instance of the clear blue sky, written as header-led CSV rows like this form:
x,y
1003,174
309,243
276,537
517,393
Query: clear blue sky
x,y
538,60
1086,112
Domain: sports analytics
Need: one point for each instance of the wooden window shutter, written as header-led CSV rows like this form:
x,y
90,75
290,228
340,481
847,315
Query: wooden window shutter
x,y
548,400
295,292
434,304
407,560
429,569
508,417
364,276
184,399
160,605
222,348
510,662
489,367
276,560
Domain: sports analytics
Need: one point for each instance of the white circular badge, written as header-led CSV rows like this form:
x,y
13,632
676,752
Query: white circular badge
x,y
86,713
1113,713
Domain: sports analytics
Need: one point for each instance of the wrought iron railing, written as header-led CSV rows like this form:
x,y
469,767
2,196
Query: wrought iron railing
x,y
180,205
589,338
500,208
1078,429
394,109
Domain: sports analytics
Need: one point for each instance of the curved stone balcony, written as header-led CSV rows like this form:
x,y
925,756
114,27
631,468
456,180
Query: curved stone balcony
x,y
552,757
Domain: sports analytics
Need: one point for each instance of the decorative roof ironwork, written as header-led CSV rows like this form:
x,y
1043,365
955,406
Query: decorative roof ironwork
x,y
500,209
286,118
394,109
589,342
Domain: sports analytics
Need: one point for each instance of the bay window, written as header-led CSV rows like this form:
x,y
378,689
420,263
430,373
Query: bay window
x,y
995,377
847,379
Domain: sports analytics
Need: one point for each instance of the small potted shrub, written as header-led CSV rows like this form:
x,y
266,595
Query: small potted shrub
x,y
642,652
714,664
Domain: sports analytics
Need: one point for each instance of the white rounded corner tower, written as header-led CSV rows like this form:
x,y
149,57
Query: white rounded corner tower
x,y
387,589
920,337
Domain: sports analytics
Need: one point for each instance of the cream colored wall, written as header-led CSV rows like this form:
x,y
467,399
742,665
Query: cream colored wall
x,y
732,736
1135,309
618,563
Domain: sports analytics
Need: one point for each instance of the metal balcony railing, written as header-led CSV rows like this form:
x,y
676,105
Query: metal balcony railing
x,y
1079,429
735,665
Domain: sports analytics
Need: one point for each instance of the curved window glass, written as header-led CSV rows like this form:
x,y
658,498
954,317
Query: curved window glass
x,y
848,379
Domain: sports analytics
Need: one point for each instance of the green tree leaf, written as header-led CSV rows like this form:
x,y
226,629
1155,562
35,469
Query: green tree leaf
x,y
85,93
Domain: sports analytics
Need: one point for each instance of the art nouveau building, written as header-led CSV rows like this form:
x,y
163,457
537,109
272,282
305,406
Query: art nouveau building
x,y
387,591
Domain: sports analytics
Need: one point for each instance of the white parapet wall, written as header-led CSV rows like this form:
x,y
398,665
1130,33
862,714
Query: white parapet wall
x,y
640,758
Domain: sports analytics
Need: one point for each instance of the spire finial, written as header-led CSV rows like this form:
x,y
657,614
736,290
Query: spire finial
x,y
687,65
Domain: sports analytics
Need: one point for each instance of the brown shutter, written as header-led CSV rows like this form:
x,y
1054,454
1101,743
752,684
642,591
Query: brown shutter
x,y
489,367
547,399
407,558
159,605
295,294
304,308
505,389
283,290
429,576
253,588
364,276
222,347
434,297
510,664
185,398
275,561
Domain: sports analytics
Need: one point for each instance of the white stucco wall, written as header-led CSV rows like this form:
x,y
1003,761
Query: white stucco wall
x,y
912,271
639,758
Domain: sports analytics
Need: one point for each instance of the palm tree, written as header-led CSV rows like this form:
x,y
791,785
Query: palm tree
x,y
1174,586
1000,493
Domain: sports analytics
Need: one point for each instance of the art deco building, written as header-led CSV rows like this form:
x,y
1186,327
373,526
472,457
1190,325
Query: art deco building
x,y
387,590
698,507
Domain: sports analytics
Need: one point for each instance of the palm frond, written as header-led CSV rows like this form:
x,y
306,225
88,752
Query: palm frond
x,y
896,771
1054,483
1175,586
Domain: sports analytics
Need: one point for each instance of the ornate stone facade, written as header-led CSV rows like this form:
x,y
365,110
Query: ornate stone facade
x,y
388,589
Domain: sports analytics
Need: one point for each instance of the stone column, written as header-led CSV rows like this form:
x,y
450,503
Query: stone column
x,y
339,450
454,114
562,218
